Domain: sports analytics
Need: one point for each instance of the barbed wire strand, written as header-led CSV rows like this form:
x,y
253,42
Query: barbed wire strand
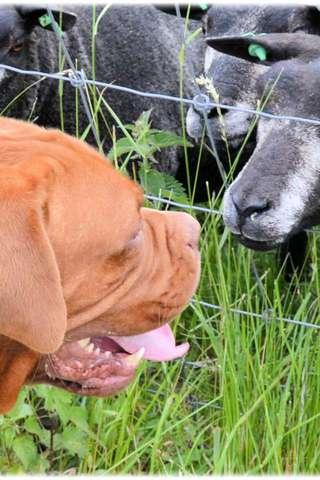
x,y
266,316
160,96
79,76
183,205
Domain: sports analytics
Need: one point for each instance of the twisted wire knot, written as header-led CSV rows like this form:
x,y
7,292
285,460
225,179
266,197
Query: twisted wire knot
x,y
202,103
77,78
267,315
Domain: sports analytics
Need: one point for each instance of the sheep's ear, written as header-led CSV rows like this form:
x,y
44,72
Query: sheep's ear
x,y
268,48
32,306
313,19
196,12
38,17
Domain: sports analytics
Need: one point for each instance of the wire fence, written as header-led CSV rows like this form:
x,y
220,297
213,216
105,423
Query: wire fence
x,y
202,104
77,78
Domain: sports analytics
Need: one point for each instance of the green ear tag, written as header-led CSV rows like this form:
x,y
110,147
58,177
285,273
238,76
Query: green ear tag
x,y
44,20
258,51
203,6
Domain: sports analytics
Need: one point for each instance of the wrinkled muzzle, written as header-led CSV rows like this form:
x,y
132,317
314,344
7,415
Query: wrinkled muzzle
x,y
172,240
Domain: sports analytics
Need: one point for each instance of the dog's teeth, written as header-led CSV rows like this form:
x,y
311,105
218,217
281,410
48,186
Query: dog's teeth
x,y
90,348
97,351
135,358
84,343
107,354
48,372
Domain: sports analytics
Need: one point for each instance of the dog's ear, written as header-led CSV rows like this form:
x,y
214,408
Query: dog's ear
x,y
32,307
17,363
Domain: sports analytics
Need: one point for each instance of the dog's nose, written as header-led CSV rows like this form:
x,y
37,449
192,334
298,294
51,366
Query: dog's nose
x,y
187,226
249,206
194,231
181,225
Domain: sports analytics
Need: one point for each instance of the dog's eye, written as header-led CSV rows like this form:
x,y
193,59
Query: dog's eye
x,y
136,239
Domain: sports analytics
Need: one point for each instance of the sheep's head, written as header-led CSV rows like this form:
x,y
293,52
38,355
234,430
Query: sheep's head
x,y
234,78
16,24
277,192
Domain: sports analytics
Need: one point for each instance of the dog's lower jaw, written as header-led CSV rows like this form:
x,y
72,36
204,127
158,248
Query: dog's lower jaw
x,y
88,367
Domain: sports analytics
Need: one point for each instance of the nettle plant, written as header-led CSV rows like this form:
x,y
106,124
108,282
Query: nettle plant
x,y
44,432
140,146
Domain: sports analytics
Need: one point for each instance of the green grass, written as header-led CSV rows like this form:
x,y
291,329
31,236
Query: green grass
x,y
248,403
245,400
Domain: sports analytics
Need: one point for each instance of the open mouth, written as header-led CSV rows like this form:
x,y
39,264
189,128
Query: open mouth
x,y
101,366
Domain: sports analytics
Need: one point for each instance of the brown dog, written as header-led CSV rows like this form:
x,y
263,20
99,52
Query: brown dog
x,y
85,270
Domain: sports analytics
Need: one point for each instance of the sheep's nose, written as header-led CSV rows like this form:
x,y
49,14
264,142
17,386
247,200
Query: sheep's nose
x,y
249,206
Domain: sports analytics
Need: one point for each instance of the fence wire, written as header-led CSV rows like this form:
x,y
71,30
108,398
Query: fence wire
x,y
266,316
76,79
184,206
201,103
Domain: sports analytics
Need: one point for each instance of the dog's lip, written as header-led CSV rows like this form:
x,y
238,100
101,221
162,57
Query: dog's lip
x,y
87,368
113,385
90,370
102,366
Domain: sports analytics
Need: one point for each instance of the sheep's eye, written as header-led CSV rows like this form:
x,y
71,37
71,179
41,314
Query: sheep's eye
x,y
299,29
16,48
204,24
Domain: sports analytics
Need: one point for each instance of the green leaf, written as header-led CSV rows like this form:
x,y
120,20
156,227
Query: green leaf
x,y
75,441
144,140
32,426
152,181
170,194
143,123
122,146
125,145
79,416
56,397
21,409
26,451
9,435
193,35
156,183
63,411
169,139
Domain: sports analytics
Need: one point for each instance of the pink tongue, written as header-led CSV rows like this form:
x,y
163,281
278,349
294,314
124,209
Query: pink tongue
x,y
159,344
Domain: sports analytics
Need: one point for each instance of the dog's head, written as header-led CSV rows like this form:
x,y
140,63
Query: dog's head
x,y
86,270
